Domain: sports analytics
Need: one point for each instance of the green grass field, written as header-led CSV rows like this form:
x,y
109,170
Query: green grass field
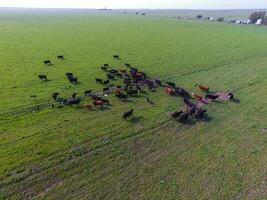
x,y
72,153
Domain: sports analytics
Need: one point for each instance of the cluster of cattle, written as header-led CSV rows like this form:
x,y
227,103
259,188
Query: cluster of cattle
x,y
134,82
194,109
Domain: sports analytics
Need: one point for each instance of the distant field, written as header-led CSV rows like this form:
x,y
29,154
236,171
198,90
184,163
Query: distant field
x,y
72,153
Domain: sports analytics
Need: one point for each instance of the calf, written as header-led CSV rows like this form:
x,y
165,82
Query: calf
x,y
197,96
43,77
60,57
203,87
47,62
88,92
127,115
230,95
158,82
98,80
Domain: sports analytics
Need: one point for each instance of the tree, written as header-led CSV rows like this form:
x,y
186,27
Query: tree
x,y
257,15
220,19
199,16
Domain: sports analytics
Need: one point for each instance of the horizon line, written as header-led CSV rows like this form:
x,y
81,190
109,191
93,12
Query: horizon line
x,y
78,8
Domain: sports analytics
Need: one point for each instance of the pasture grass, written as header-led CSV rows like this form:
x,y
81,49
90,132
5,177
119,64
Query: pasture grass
x,y
71,153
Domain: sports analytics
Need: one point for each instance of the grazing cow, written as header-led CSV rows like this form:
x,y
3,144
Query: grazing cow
x,y
184,116
99,80
127,65
110,76
116,57
43,77
200,113
169,91
88,92
73,102
127,115
69,74
203,87
121,96
104,68
106,82
55,95
176,115
47,62
60,57
98,103
197,96
106,65
171,84
158,82
182,92
106,90
132,92
230,95
212,96
72,79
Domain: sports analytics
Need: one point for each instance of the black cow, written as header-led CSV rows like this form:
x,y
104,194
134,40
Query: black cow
x,y
116,57
72,79
182,92
105,90
87,93
47,62
69,74
176,115
158,82
106,65
73,102
212,96
184,116
200,113
127,114
104,68
110,76
106,82
188,102
127,65
121,96
230,95
55,95
99,80
60,57
43,77
171,84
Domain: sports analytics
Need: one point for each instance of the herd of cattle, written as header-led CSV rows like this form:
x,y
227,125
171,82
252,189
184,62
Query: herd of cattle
x,y
134,82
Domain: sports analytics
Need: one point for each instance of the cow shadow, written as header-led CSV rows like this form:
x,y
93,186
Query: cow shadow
x,y
136,119
236,101
205,118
